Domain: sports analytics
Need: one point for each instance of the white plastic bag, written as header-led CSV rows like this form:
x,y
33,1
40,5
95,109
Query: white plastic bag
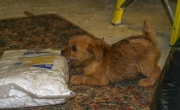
x,y
33,78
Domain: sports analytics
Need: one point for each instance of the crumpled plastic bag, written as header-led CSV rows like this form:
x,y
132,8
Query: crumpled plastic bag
x,y
33,78
167,94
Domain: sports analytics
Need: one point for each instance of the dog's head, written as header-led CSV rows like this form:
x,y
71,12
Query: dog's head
x,y
84,49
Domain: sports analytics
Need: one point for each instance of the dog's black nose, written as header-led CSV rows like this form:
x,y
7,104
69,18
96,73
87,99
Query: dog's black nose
x,y
62,52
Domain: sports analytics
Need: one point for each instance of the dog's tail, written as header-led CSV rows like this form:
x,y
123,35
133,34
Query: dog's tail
x,y
149,32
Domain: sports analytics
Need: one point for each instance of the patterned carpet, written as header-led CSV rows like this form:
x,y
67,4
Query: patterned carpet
x,y
52,31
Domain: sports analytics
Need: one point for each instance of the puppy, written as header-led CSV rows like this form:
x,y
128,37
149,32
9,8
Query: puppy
x,y
123,60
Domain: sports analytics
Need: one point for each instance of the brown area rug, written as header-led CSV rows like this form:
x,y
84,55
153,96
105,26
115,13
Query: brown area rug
x,y
52,31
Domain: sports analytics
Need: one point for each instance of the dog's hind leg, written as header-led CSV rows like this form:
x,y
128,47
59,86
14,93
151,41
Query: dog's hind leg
x,y
90,80
152,76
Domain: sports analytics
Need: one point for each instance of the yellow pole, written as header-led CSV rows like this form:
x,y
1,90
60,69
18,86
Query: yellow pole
x,y
176,25
118,13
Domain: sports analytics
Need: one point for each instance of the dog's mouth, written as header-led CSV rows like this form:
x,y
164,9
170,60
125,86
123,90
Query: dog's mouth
x,y
69,60
73,63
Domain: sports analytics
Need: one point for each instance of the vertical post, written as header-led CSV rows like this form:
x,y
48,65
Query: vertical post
x,y
118,12
176,25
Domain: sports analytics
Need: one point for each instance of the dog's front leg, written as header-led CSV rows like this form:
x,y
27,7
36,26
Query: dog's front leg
x,y
90,80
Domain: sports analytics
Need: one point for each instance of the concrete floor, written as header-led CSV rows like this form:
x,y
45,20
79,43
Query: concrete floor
x,y
95,16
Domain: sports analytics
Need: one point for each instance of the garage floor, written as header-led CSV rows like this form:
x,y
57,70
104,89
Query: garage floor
x,y
95,17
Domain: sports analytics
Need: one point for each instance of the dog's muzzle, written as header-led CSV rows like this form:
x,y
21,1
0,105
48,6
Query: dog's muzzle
x,y
68,60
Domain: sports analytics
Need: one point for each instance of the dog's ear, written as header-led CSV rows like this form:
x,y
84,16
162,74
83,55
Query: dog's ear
x,y
97,49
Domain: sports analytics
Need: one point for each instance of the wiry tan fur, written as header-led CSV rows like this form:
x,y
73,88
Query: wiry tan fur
x,y
123,60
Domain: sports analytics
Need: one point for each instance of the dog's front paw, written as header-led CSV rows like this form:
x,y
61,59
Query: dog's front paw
x,y
75,80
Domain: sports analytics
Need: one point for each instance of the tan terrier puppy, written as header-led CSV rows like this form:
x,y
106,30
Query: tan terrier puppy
x,y
123,60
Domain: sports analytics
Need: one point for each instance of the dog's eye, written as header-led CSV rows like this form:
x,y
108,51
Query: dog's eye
x,y
74,48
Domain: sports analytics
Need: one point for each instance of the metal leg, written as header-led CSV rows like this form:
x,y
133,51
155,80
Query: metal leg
x,y
118,13
168,8
176,25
